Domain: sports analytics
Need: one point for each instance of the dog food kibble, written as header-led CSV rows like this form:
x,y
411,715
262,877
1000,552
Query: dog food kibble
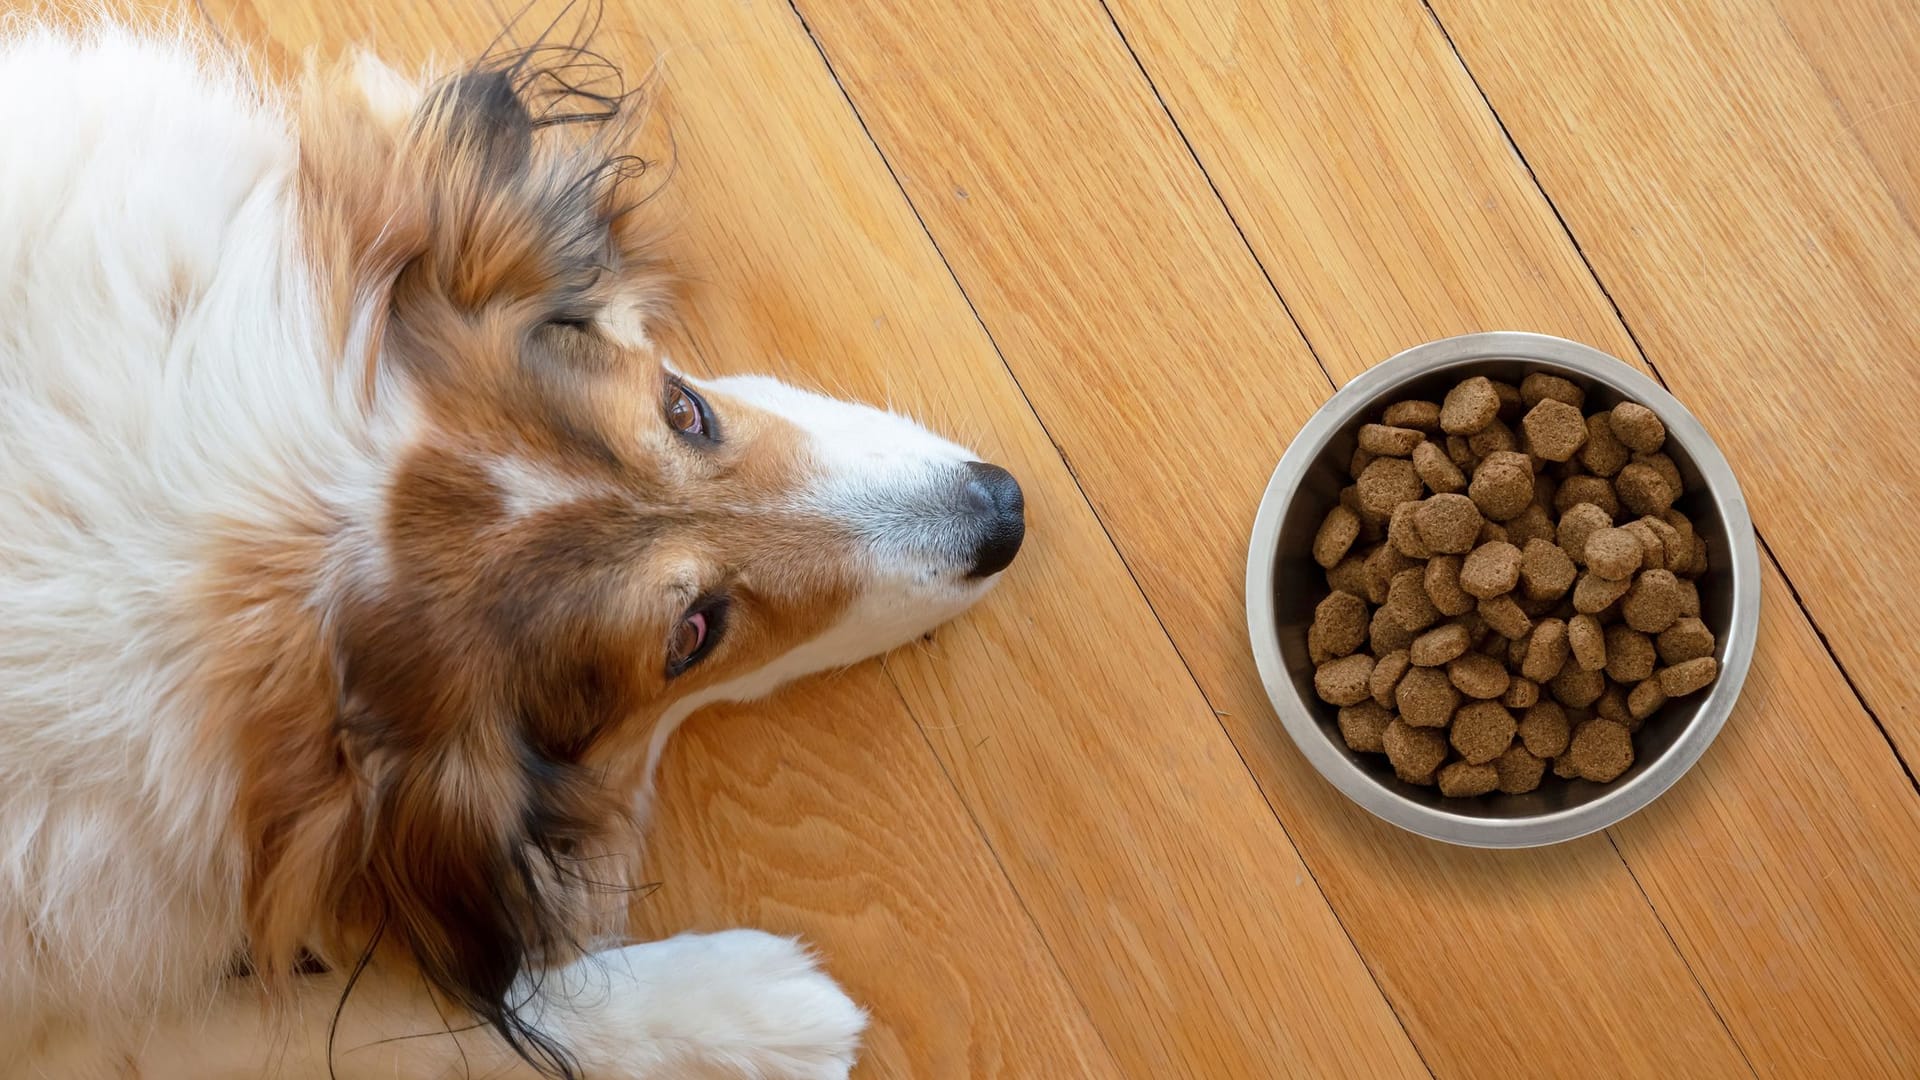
x,y
1601,750
1424,415
1604,454
1491,570
1387,483
1479,676
1482,730
1437,470
1687,676
1469,407
1687,639
1386,676
1362,725
1587,638
1440,644
1426,697
1554,429
1463,780
1502,485
1517,771
1449,523
1510,588
1653,603
1630,655
1344,681
1414,752
1614,553
1637,427
1390,441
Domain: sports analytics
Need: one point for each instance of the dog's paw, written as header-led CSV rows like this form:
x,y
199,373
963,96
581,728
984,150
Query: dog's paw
x,y
741,1004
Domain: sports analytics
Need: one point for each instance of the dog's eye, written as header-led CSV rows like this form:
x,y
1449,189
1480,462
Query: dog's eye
x,y
694,635
687,413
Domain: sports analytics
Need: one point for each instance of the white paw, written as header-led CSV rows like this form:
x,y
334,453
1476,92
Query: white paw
x,y
738,1004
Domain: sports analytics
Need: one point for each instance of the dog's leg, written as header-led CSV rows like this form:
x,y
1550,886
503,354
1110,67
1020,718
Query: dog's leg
x,y
739,1005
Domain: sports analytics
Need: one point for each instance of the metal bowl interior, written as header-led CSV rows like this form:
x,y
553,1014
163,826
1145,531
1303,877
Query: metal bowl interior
x,y
1284,584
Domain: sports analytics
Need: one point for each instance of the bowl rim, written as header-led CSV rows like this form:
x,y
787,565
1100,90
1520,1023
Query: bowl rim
x,y
1619,802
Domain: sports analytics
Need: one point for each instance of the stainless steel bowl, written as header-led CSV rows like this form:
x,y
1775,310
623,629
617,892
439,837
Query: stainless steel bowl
x,y
1284,583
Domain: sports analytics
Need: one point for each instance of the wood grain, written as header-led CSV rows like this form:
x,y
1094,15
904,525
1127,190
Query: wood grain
x,y
1168,894
1164,367
1763,265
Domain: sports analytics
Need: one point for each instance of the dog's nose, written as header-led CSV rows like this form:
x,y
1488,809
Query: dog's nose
x,y
995,495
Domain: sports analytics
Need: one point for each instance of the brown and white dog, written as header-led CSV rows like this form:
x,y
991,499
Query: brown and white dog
x,y
358,554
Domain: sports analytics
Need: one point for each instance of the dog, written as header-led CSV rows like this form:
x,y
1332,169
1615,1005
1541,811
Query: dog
x,y
359,552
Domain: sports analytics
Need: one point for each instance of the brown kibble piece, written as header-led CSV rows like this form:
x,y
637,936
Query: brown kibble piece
x,y
1335,537
1653,550
1498,438
1502,487
1689,600
1349,575
1426,697
1386,635
1687,676
1593,594
1587,489
1540,386
1577,524
1614,554
1422,415
1637,427
1668,471
1440,644
1414,752
1576,688
1437,470
1588,640
1645,700
1357,464
1464,780
1653,603
1383,563
1630,655
1469,407
1403,535
1521,693
1554,429
1387,483
1340,623
1534,523
1443,586
1491,532
1386,676
1687,639
1544,729
1449,523
1343,681
1479,676
1362,725
1613,706
1518,771
1407,601
1491,570
1482,730
1545,570
1511,403
1460,452
1546,650
1505,617
1564,768
1604,454
1390,441
1601,750
1643,490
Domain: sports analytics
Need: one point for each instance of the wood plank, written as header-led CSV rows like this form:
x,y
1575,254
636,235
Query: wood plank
x,y
1163,366
1444,211
1866,54
1763,265
1124,821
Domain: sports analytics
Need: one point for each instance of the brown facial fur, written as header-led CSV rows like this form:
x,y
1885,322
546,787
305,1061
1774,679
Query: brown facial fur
x,y
438,753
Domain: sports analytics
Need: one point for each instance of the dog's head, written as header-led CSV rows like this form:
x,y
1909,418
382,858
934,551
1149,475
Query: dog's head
x,y
572,544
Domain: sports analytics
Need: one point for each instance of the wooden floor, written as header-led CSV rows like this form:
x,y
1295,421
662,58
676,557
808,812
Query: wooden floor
x,y
1126,247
